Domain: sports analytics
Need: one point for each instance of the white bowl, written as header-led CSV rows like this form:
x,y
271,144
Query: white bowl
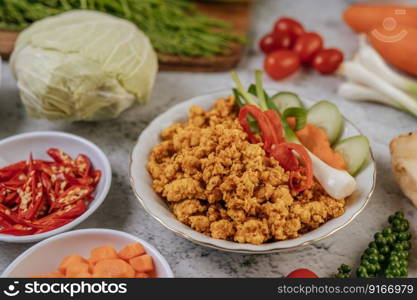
x,y
18,147
45,256
141,183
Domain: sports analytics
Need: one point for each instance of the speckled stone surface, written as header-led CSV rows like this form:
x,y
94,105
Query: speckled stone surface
x,y
122,211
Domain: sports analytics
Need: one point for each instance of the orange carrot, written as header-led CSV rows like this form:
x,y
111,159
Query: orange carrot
x,y
103,252
315,140
364,18
142,263
76,269
70,260
131,250
400,52
113,267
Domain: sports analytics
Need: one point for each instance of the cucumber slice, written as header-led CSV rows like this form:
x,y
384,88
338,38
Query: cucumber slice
x,y
326,115
283,100
355,151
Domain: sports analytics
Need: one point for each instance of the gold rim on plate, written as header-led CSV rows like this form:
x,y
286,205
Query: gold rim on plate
x,y
246,251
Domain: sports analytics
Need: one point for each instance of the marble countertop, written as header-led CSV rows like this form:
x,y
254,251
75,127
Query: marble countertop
x,y
122,211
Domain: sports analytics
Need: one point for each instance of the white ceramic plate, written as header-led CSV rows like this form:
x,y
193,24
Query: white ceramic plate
x,y
142,186
45,256
18,147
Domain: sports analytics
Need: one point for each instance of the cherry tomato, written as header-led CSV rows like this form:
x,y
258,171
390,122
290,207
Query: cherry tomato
x,y
302,273
268,43
282,63
288,25
271,42
327,61
307,45
284,40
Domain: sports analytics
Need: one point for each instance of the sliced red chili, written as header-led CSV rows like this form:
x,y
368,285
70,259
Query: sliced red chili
x,y
82,165
52,224
285,157
37,196
4,223
79,180
265,127
96,174
37,200
301,178
60,156
72,195
68,212
276,123
19,166
18,230
16,181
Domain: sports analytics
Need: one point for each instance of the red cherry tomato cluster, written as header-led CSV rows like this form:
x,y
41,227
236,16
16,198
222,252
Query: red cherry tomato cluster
x,y
289,46
38,196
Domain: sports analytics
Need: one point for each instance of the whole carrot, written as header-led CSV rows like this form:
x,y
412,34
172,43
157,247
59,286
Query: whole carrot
x,y
399,49
364,18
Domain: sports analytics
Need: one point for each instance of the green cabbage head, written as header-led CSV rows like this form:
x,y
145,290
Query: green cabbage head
x,y
83,65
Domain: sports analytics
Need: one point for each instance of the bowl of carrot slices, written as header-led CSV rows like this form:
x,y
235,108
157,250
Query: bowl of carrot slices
x,y
90,253
49,183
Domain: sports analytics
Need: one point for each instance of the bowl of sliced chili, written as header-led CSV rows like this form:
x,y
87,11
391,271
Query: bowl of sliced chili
x,y
49,183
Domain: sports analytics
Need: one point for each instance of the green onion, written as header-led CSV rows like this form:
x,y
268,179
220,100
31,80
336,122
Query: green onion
x,y
246,96
371,79
260,90
300,115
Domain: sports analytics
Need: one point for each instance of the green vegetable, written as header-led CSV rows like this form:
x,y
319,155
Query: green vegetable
x,y
300,115
283,100
174,26
327,116
77,66
344,271
387,255
355,151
